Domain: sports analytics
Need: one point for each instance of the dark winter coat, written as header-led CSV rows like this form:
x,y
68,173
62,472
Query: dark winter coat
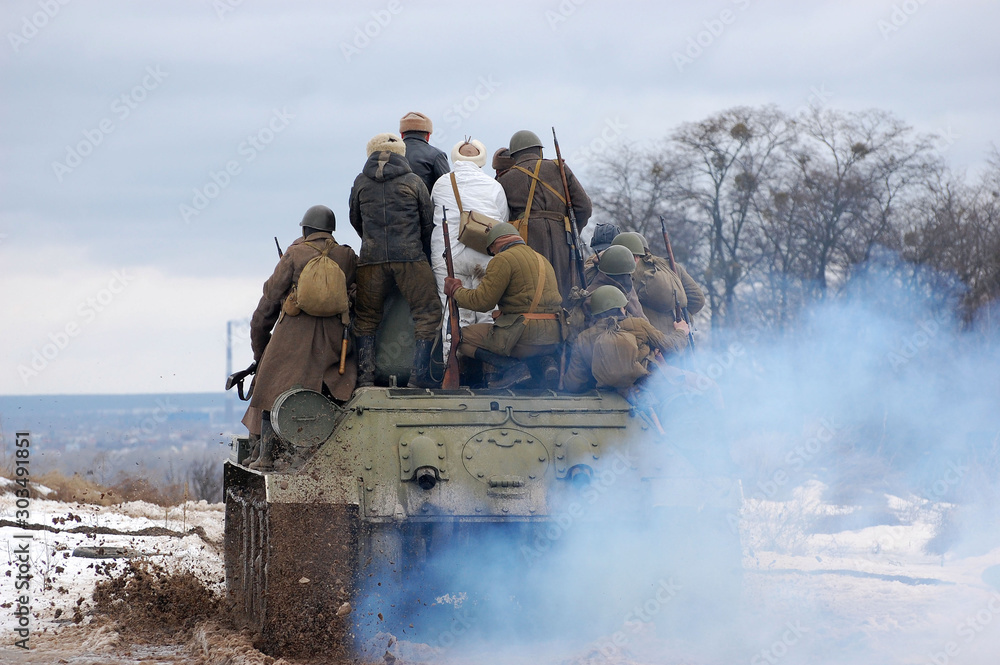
x,y
303,349
391,210
425,160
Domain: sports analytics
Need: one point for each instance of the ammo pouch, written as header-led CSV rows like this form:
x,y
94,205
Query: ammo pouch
x,y
504,334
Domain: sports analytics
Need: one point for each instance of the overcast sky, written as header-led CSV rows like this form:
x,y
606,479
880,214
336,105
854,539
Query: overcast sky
x,y
149,151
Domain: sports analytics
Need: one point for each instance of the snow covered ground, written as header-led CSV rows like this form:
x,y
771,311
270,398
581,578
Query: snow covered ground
x,y
814,592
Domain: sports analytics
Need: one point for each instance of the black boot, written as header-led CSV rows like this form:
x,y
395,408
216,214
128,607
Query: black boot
x,y
366,361
421,375
550,371
268,439
512,371
254,450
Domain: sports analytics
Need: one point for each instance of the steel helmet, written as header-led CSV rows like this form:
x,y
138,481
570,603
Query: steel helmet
x,y
617,260
606,297
320,218
524,139
631,240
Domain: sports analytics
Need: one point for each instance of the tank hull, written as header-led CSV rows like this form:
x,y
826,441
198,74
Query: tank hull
x,y
426,508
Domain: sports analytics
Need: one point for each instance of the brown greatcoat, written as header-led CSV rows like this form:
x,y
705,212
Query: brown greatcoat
x,y
655,283
579,375
546,233
303,350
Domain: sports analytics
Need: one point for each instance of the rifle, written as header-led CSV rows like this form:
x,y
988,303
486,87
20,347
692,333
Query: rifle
x,y
276,244
673,266
573,232
452,377
236,379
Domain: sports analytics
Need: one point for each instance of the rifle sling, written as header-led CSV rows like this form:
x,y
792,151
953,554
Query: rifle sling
x,y
458,197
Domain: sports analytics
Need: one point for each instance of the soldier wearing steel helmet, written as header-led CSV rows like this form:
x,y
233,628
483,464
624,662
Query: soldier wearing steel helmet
x,y
656,285
521,284
297,348
615,268
537,205
607,304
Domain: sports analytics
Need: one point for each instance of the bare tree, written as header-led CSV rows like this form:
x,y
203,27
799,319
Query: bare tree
x,y
955,227
205,478
726,158
853,169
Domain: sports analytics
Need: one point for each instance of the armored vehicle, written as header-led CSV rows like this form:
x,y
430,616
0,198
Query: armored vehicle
x,y
403,500
436,515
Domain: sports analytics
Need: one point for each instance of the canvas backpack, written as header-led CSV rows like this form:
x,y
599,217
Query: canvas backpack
x,y
322,286
616,357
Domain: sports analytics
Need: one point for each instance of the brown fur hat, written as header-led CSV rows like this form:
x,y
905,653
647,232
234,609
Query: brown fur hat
x,y
415,122
386,141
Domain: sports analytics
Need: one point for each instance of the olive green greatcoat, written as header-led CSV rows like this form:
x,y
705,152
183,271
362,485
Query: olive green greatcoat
x,y
303,349
509,284
655,282
546,227
580,378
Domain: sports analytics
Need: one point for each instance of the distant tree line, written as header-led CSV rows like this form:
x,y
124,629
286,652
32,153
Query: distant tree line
x,y
771,212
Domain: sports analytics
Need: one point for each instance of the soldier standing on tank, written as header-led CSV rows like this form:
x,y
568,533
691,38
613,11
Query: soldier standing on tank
x,y
392,212
655,284
302,349
537,205
522,284
477,191
425,160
